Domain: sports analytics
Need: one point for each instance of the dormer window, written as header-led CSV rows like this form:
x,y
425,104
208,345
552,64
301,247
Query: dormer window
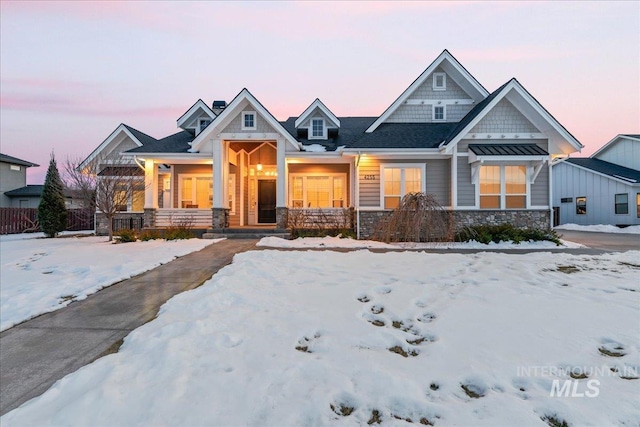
x,y
439,81
439,113
248,120
203,123
317,128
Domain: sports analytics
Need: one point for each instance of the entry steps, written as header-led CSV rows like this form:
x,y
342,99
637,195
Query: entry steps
x,y
246,233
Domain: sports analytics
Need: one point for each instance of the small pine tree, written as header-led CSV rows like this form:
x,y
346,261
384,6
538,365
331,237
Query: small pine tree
x,y
52,214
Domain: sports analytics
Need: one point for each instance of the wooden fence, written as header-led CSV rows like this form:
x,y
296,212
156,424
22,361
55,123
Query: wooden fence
x,y
24,220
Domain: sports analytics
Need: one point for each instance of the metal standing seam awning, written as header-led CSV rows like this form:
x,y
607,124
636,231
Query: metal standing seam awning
x,y
479,153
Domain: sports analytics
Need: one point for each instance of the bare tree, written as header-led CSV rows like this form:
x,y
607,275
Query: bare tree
x,y
110,183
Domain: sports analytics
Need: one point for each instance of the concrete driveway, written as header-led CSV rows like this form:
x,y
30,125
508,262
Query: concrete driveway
x,y
603,241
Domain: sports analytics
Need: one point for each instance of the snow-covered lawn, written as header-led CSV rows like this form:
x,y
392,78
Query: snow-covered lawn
x,y
347,243
310,338
601,228
41,275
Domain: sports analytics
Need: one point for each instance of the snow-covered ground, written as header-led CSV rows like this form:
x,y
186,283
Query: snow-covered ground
x,y
309,338
346,243
42,275
601,228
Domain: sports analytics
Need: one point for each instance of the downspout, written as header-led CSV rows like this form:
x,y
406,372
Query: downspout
x,y
358,196
135,159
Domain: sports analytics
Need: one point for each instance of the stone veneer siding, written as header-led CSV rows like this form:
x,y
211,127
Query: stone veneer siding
x,y
521,219
102,223
282,217
220,217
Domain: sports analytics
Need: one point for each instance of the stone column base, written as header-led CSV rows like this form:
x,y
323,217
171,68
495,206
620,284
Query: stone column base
x,y
282,217
220,217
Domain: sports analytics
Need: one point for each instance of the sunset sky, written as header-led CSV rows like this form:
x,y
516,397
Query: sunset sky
x,y
71,72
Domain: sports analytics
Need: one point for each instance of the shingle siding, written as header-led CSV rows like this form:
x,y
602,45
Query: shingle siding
x,y
235,126
504,117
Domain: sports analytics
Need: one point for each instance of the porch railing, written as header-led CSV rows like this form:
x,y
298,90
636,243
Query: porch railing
x,y
198,218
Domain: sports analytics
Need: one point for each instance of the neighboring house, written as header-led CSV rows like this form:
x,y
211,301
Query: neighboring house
x,y
486,156
29,197
13,175
601,189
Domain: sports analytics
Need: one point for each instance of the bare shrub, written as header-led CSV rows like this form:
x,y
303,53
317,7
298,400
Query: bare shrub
x,y
180,228
320,222
419,218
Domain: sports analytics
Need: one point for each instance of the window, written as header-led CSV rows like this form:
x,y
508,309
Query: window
x,y
439,112
195,191
129,200
503,187
203,123
439,81
581,205
14,167
622,204
397,181
566,200
248,120
317,191
317,128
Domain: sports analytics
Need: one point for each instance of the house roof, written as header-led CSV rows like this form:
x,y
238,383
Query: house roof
x,y
33,191
142,137
507,150
176,143
351,129
121,171
631,176
405,135
16,161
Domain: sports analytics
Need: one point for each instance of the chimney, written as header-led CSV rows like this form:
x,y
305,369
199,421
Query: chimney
x,y
218,106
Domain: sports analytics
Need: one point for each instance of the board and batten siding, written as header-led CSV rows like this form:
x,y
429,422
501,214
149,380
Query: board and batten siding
x,y
438,179
571,182
624,152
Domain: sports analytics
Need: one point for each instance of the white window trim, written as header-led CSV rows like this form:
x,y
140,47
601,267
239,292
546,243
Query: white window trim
x,y
503,187
183,176
423,178
444,81
232,193
255,120
199,127
615,204
324,128
15,168
305,201
444,113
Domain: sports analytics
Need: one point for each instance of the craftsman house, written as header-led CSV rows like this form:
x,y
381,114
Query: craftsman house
x,y
601,189
486,156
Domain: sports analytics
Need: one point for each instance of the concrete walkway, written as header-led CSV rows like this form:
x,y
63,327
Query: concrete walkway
x,y
603,241
37,353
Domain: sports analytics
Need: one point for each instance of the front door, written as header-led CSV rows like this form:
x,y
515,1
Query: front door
x,y
266,201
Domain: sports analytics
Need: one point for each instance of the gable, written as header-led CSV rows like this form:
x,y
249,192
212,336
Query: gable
x,y
235,125
189,120
413,104
622,150
314,115
504,117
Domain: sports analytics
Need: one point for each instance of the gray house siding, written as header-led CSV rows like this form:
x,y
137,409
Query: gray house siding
x,y
438,180
466,190
624,152
235,126
10,180
504,117
570,182
540,188
423,113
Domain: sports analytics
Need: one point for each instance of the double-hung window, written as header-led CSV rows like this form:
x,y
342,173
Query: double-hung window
x,y
317,128
399,180
503,187
317,191
196,192
622,204
439,113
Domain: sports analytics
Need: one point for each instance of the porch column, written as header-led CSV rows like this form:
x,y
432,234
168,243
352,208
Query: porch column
x,y
281,182
218,174
150,184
